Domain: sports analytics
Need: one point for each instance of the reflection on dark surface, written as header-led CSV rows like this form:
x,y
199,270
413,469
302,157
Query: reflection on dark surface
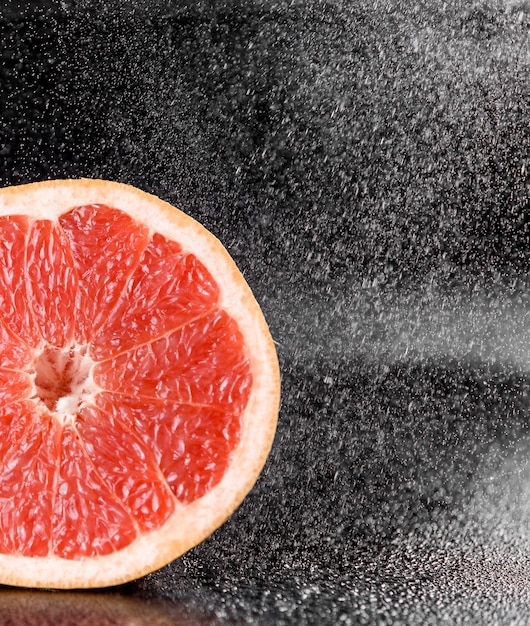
x,y
21,607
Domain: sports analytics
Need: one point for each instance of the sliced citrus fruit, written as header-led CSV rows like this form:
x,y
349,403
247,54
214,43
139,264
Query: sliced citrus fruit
x,y
139,384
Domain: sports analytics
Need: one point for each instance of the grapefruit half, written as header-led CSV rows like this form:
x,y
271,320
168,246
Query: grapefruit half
x,y
139,384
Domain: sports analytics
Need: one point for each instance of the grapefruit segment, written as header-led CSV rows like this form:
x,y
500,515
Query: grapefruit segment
x,y
14,352
168,289
106,245
125,464
139,384
88,520
29,449
52,282
14,385
14,299
191,444
201,363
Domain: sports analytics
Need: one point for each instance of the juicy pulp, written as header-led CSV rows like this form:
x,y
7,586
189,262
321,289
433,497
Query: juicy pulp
x,y
122,382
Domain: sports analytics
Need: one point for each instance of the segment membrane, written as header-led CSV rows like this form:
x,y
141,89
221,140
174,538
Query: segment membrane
x,y
87,520
202,363
168,289
127,467
191,444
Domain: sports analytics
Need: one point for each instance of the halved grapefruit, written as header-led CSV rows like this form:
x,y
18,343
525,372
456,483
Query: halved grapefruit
x,y
139,384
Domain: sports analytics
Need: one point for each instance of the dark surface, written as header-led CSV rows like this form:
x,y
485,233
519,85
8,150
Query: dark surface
x,y
366,164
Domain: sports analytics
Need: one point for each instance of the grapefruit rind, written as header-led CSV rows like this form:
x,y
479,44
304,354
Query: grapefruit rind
x,y
190,523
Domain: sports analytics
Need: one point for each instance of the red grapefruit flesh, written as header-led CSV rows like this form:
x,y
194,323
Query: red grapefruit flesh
x,y
139,384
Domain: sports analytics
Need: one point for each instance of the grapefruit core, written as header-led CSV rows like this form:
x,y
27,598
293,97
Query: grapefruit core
x,y
139,384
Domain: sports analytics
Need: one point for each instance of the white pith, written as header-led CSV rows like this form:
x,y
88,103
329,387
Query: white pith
x,y
192,523
63,380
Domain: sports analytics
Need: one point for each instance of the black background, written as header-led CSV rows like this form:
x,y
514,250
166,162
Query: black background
x,y
366,165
